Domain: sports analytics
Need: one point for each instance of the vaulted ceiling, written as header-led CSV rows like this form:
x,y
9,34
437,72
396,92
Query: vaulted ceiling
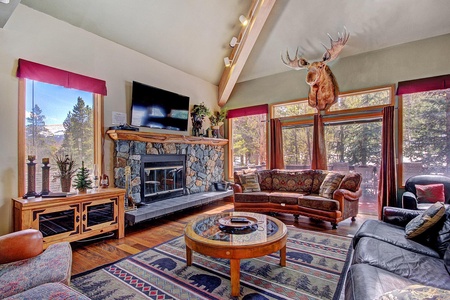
x,y
194,35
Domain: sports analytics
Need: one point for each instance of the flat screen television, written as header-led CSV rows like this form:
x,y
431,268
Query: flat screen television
x,y
157,108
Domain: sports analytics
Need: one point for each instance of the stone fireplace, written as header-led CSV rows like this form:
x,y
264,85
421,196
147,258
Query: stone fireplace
x,y
203,164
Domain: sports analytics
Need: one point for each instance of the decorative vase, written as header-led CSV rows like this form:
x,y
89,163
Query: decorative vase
x,y
66,182
82,191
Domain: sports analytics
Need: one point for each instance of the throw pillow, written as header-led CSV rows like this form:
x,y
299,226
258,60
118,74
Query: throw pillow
x,y
416,292
425,220
330,184
430,192
249,183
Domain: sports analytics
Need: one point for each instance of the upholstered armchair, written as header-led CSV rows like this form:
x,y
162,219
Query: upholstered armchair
x,y
25,266
422,191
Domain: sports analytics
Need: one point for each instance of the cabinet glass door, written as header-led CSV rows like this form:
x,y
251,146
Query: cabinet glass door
x,y
99,213
55,223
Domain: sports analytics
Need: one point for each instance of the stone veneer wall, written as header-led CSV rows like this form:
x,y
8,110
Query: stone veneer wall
x,y
204,164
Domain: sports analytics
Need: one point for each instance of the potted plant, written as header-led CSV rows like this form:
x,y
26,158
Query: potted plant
x,y
217,119
82,182
198,114
66,167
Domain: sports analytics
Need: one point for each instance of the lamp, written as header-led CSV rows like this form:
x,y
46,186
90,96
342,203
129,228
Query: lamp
x,y
227,61
4,1
243,20
233,42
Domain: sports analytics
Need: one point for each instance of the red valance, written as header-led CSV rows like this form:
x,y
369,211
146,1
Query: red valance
x,y
423,85
248,111
31,70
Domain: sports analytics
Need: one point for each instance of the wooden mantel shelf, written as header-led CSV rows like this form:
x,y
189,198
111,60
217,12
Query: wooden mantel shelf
x,y
163,138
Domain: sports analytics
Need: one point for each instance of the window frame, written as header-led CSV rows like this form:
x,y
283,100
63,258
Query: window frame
x,y
98,134
230,145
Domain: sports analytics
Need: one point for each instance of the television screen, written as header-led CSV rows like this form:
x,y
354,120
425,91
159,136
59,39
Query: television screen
x,y
156,108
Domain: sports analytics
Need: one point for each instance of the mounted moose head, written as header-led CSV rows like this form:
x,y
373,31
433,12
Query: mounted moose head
x,y
324,90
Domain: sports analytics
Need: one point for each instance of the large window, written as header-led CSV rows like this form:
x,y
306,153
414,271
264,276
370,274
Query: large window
x,y
352,136
424,138
60,113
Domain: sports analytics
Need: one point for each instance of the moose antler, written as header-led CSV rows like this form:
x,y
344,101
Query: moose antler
x,y
297,63
336,46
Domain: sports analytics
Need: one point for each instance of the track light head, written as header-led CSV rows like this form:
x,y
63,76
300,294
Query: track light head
x,y
233,42
227,62
243,20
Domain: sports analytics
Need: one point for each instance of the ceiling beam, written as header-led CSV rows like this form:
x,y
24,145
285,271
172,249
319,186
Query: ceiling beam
x,y
258,14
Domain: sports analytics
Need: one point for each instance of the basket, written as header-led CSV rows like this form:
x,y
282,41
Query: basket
x,y
221,186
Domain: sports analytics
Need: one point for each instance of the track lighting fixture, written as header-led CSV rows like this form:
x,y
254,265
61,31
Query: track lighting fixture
x,y
243,20
233,42
4,1
227,61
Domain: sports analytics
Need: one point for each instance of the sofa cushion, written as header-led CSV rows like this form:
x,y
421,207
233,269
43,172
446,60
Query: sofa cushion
x,y
284,197
292,181
54,291
250,183
265,179
240,172
416,292
368,282
330,184
351,182
447,259
440,233
319,176
427,219
392,234
412,265
317,202
430,192
256,197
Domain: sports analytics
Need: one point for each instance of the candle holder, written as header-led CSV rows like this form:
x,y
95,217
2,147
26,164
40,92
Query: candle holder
x,y
45,177
31,178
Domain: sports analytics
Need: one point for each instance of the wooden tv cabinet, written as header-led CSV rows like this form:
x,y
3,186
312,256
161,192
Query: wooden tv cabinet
x,y
74,217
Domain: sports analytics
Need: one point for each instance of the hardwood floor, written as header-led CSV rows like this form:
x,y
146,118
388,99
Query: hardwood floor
x,y
91,254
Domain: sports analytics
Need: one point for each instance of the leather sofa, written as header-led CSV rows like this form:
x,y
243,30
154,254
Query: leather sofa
x,y
28,272
409,197
300,192
385,261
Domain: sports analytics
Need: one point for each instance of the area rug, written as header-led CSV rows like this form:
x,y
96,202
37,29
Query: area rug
x,y
316,265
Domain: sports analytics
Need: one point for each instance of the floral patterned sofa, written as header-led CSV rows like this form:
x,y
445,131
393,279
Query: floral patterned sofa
x,y
319,194
28,272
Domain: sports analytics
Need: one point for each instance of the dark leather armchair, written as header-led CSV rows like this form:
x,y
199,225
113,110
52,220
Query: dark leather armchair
x,y
409,197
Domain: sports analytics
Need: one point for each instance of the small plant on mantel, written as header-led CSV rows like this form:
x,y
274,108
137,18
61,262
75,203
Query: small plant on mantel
x,y
218,117
82,182
198,114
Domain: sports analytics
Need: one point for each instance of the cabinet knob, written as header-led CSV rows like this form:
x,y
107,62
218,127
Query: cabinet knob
x,y
84,217
78,219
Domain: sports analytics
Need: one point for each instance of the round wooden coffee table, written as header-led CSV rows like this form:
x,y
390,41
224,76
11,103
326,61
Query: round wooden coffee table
x,y
217,236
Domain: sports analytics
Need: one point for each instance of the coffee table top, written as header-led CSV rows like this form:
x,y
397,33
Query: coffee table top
x,y
205,229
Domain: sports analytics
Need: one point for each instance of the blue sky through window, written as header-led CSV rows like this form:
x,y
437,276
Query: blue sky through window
x,y
55,101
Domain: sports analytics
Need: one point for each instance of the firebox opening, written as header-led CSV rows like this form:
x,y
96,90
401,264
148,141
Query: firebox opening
x,y
162,177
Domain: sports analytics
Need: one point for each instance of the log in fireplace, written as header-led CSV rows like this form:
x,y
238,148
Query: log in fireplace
x,y
162,177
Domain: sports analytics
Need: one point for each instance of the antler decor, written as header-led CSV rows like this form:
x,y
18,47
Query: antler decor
x,y
324,90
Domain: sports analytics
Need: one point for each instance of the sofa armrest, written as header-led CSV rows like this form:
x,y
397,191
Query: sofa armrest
x,y
349,195
399,216
409,200
20,245
237,188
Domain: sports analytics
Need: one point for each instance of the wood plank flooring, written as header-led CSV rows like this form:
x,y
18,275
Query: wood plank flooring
x,y
141,236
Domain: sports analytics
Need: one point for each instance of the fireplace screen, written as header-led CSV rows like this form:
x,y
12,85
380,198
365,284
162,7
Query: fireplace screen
x,y
162,179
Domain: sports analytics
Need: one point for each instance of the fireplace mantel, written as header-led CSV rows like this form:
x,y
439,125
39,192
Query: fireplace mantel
x,y
163,138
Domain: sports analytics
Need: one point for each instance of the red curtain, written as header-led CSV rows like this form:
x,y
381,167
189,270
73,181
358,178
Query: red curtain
x,y
248,111
43,73
423,85
276,145
319,151
387,185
